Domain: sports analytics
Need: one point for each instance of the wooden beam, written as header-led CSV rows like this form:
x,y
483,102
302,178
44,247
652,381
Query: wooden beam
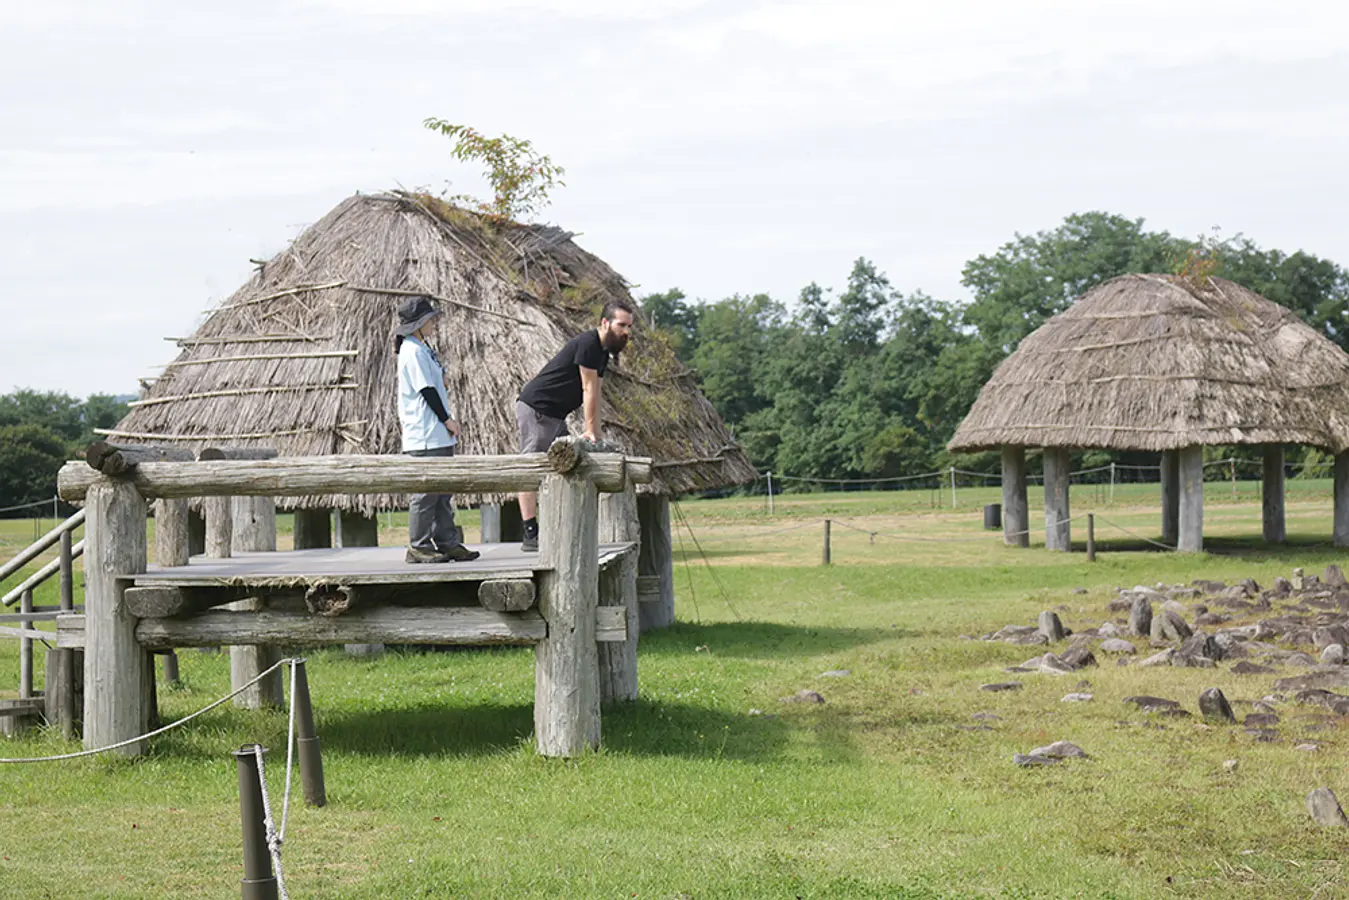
x,y
466,626
296,476
116,459
162,601
35,549
213,453
502,595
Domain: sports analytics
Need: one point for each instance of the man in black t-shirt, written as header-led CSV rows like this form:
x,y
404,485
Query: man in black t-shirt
x,y
571,379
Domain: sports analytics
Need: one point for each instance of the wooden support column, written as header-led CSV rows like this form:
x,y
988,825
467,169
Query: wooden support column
x,y
312,529
490,515
1271,496
656,559
1058,530
196,533
1191,468
1015,511
619,523
219,514
512,524
357,530
116,701
254,530
1341,536
172,535
1170,497
566,663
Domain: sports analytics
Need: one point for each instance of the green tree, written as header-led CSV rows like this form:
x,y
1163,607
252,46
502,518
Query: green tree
x,y
30,457
678,320
521,178
1314,288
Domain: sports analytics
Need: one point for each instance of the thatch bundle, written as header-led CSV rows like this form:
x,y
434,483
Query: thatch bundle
x,y
301,357
1155,362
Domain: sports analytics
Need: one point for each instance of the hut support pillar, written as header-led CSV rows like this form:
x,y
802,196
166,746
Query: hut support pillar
x,y
1170,497
1191,469
254,529
566,663
117,696
313,529
1342,500
1271,496
1015,511
618,524
490,514
356,530
656,559
1058,528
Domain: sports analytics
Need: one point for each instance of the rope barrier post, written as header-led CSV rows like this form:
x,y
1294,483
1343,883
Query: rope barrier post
x,y
26,648
259,883
826,542
171,668
1112,484
307,741
770,492
953,487
1091,537
1232,471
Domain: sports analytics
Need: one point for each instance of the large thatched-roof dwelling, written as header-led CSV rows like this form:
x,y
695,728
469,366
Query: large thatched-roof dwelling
x,y
301,357
1162,363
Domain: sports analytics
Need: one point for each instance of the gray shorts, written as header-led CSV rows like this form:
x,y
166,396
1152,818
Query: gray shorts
x,y
537,431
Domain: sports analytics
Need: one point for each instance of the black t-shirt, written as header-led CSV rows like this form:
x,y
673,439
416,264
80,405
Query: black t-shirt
x,y
556,390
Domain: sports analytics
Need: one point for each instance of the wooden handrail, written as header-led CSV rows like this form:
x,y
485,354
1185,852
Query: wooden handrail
x,y
40,575
42,543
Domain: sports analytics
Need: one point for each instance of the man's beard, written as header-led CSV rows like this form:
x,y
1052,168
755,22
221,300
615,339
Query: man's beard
x,y
615,343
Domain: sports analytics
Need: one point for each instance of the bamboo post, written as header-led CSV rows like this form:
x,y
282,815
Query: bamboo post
x,y
1190,467
566,668
1272,517
825,559
1015,511
26,648
1091,537
116,703
656,558
253,529
619,523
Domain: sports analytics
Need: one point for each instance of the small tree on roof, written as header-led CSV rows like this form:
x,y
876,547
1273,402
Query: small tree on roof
x,y
521,179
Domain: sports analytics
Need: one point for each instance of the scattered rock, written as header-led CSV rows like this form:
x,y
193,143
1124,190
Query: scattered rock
x,y
1333,655
1334,577
1211,620
1079,590
1079,657
1140,617
1214,706
1309,747
1297,581
1250,668
1027,761
1230,765
1060,750
1261,720
1330,634
1336,703
1001,686
1169,625
1230,645
986,717
804,696
1051,626
1110,630
836,673
1076,698
1162,658
1325,809
1324,679
1117,645
1301,660
1263,735
1282,586
1152,704
1201,645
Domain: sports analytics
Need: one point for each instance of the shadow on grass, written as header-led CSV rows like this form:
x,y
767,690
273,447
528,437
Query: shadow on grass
x,y
763,640
1252,548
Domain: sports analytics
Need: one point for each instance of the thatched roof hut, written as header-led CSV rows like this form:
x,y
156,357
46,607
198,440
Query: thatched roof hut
x,y
301,357
1171,364
1153,362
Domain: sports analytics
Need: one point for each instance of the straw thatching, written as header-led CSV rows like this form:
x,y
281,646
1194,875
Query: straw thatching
x,y
301,357
1154,362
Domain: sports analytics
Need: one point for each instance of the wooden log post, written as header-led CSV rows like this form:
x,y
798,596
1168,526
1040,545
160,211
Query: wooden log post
x,y
566,663
313,529
1170,471
619,523
1058,528
1273,522
1341,532
64,682
1015,510
172,533
254,529
1190,464
116,699
219,514
512,522
656,560
196,532
354,529
490,523
26,649
116,459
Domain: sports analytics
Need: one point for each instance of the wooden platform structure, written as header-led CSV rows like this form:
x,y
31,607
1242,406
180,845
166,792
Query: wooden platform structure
x,y
576,600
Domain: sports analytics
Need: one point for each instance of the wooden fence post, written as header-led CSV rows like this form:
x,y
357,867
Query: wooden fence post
x,y
566,663
116,702
656,559
618,523
254,529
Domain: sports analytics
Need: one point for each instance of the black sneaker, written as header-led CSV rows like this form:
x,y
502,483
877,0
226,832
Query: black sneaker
x,y
418,555
530,543
460,553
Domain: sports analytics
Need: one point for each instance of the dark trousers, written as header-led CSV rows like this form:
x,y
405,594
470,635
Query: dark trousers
x,y
431,516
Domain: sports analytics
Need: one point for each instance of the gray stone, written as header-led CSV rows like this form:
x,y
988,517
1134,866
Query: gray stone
x,y
1200,644
1250,668
1282,586
1263,735
1076,698
1301,660
1333,655
1260,720
1334,576
1117,645
1325,809
836,673
1060,750
1230,645
1151,704
1329,677
1214,706
1330,634
1001,686
1174,606
1079,590
1173,626
1309,747
1230,765
1336,703
1140,617
1162,658
1079,657
1050,626
804,696
1297,581
1110,630
1028,761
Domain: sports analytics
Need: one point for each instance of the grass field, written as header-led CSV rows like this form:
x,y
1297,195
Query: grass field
x,y
711,786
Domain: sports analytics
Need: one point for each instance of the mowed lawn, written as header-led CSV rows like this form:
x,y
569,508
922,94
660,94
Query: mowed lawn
x,y
710,785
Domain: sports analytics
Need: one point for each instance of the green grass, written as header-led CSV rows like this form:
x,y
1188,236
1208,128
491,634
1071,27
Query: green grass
x,y
709,785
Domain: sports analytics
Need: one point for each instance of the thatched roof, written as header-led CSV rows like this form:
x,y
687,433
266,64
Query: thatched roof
x,y
301,357
1153,362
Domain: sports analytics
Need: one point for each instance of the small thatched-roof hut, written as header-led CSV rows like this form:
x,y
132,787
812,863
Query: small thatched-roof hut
x,y
1162,363
301,357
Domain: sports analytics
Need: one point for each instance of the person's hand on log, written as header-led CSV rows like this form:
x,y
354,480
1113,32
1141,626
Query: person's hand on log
x,y
452,426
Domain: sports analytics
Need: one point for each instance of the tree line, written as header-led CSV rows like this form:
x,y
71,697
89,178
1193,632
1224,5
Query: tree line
x,y
871,382
39,431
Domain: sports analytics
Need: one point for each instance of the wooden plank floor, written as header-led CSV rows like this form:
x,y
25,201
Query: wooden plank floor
x,y
351,565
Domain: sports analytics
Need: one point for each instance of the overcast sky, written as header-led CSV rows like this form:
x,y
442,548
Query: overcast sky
x,y
151,148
